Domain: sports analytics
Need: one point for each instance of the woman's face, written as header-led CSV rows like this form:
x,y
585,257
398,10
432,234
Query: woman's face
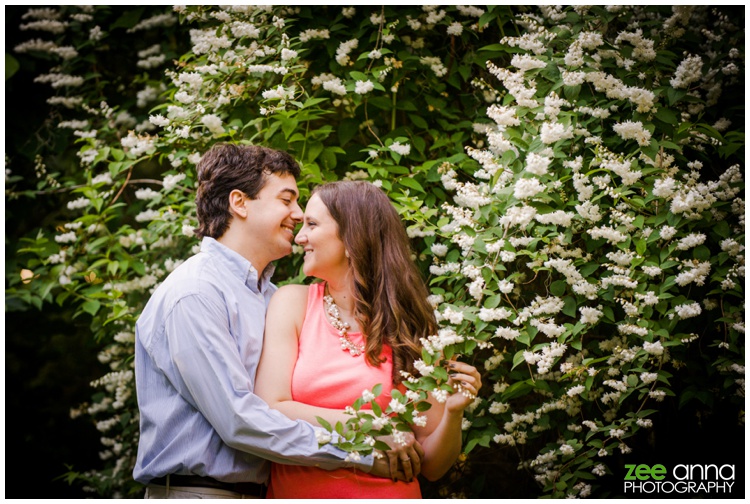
x,y
325,254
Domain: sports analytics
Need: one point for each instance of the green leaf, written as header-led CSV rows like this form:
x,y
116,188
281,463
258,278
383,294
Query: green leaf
x,y
702,253
410,183
423,406
11,66
570,306
667,115
518,358
91,307
721,228
128,19
558,287
493,301
418,121
324,423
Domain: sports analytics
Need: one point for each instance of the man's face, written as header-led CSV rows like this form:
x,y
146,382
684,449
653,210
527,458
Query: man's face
x,y
272,217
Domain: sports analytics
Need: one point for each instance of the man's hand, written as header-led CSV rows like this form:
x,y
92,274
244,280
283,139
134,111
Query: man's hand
x,y
382,469
408,456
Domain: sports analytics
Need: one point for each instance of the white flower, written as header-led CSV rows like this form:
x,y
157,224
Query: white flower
x,y
213,123
171,181
667,232
423,368
590,315
525,62
277,93
633,130
367,396
184,97
553,132
147,215
363,87
440,395
342,53
396,406
312,33
491,314
690,241
398,148
158,120
353,457
505,286
507,333
288,54
664,188
574,391
146,194
645,423
687,72
647,378
599,470
439,249
688,310
527,188
78,203
66,237
536,164
455,29
653,348
102,178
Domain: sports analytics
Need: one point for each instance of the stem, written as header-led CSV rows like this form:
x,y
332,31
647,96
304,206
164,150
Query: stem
x,y
130,172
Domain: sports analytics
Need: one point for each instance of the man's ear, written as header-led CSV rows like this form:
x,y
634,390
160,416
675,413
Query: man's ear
x,y
237,201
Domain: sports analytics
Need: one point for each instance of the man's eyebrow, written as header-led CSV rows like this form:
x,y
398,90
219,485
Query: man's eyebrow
x,y
290,191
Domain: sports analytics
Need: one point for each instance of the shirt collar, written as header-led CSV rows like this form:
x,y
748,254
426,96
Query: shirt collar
x,y
238,265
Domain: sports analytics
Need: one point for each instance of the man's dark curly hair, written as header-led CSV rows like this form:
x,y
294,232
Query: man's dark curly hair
x,y
226,167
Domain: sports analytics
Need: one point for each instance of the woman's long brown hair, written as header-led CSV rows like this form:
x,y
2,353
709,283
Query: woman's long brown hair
x,y
390,295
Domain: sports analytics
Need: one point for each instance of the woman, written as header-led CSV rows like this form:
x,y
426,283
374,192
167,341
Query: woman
x,y
328,342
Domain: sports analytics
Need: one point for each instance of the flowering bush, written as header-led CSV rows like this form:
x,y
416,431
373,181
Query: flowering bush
x,y
571,177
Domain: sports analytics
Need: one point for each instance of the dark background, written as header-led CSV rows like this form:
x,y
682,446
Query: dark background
x,y
50,359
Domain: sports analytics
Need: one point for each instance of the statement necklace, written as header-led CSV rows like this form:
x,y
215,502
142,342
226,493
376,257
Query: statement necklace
x,y
342,327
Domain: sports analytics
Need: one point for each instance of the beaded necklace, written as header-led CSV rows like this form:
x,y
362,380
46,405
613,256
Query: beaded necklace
x,y
342,327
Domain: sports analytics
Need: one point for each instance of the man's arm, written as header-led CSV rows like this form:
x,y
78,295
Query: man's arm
x,y
211,376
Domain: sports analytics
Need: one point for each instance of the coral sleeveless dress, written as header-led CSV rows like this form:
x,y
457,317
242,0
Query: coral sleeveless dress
x,y
329,377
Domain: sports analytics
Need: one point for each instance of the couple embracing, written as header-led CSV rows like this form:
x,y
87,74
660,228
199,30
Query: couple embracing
x,y
232,372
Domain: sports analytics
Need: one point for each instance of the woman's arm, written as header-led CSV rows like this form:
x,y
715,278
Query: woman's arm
x,y
273,382
441,437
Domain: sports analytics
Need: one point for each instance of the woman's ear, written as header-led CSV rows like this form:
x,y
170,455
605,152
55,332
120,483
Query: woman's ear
x,y
237,201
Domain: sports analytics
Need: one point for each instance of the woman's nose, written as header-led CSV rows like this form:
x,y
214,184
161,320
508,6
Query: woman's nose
x,y
301,237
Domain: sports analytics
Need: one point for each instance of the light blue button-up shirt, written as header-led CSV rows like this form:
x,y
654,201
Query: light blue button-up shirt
x,y
198,344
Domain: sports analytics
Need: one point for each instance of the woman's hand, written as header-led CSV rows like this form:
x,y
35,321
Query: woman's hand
x,y
466,382
409,456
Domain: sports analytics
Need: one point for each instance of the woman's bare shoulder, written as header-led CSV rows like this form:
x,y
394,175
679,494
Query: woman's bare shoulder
x,y
291,296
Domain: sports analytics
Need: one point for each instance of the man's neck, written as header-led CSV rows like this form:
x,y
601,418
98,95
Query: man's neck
x,y
232,242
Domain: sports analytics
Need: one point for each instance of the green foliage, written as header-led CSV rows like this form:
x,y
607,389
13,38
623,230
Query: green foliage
x,y
572,185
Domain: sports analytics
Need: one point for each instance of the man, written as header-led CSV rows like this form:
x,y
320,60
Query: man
x,y
204,433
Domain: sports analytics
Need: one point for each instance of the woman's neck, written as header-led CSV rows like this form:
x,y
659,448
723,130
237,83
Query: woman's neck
x,y
342,294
